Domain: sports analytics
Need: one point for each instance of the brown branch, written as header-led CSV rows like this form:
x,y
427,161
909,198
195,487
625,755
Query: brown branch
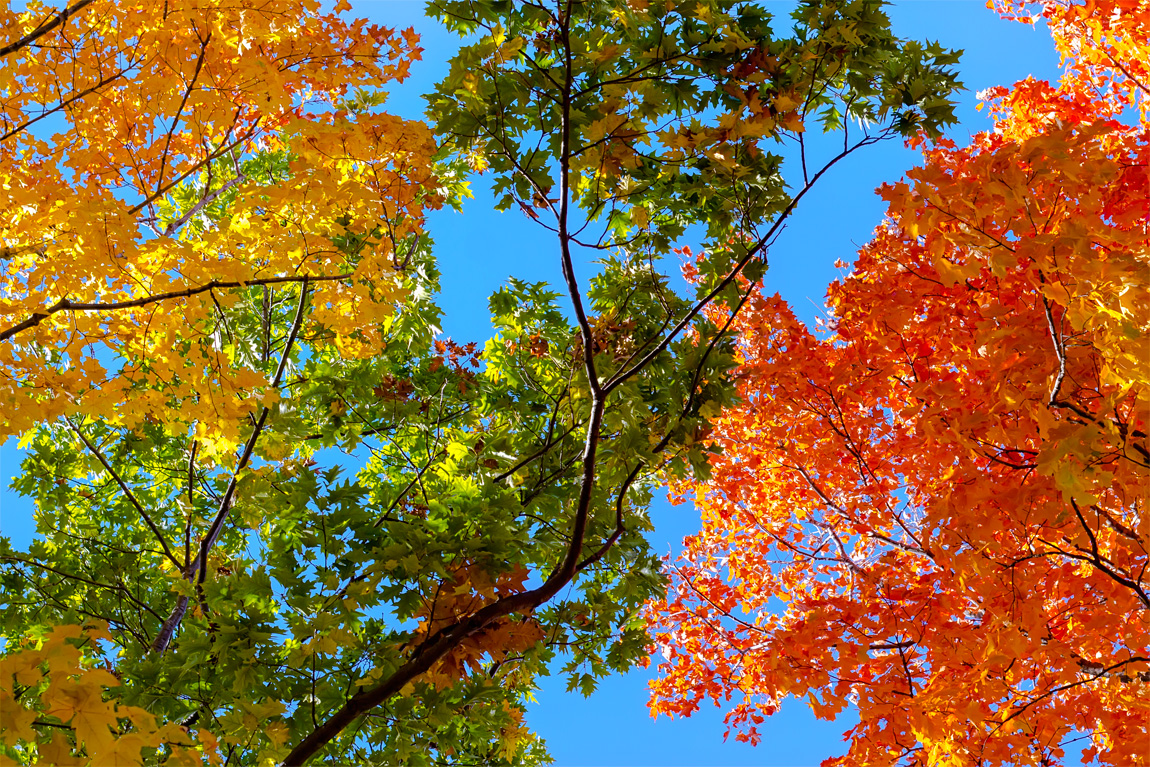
x,y
213,533
620,528
436,646
65,304
63,104
892,645
573,291
60,18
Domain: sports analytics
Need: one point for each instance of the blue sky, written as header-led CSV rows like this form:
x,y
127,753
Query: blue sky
x,y
479,249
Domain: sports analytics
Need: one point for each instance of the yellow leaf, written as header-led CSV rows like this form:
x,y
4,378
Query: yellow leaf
x,y
25,666
85,710
123,750
16,724
58,752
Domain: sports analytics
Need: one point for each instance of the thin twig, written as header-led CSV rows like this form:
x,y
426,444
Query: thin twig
x,y
127,492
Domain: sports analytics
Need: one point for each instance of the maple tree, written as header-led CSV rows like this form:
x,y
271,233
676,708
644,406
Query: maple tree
x,y
279,517
165,116
934,513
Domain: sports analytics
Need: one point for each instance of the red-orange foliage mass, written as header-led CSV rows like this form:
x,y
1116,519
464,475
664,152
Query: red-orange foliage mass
x,y
937,513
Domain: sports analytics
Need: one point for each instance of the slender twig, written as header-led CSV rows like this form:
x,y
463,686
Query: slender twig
x,y
73,577
1093,677
226,503
180,109
48,112
198,567
127,493
546,448
219,152
735,271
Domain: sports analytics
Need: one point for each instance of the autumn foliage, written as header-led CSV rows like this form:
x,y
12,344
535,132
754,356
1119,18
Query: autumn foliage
x,y
279,518
124,129
935,512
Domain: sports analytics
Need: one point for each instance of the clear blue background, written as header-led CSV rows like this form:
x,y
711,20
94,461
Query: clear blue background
x,y
480,248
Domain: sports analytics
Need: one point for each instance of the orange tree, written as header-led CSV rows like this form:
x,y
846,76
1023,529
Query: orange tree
x,y
217,268
935,513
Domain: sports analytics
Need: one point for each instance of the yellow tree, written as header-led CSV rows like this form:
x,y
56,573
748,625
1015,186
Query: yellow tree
x,y
122,127
192,194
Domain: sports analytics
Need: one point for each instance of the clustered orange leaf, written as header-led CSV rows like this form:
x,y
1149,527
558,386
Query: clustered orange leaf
x,y
468,590
113,283
1102,45
935,513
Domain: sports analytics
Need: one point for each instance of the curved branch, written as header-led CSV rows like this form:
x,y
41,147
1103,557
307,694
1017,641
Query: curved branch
x,y
65,304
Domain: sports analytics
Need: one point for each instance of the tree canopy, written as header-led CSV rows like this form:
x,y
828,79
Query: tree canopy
x,y
280,518
935,510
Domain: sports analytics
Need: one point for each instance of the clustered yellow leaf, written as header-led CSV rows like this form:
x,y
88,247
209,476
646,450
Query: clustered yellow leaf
x,y
120,129
57,709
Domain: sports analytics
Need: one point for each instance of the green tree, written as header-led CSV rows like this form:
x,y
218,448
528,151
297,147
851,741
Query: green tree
x,y
264,603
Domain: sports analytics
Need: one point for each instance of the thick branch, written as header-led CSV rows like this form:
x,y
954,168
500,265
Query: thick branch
x,y
438,645
573,291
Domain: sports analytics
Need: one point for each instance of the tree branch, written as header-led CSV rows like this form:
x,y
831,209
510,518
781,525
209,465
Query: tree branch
x,y
128,494
199,564
65,304
59,19
754,251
